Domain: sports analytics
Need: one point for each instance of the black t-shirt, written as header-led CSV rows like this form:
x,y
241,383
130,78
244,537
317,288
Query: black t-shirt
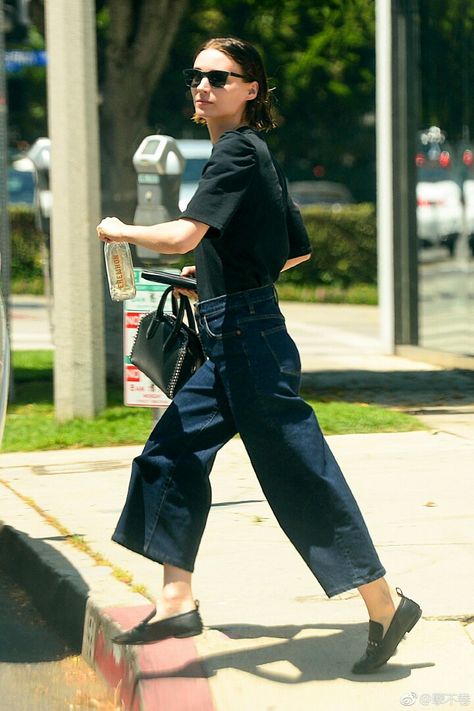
x,y
254,226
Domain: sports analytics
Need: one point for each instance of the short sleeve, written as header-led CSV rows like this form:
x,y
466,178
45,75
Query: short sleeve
x,y
224,182
297,234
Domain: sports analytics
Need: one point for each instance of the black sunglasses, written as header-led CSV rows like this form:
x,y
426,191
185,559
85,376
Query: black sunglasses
x,y
216,77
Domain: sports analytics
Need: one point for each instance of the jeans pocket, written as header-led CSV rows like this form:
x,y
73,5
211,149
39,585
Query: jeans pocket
x,y
220,325
283,350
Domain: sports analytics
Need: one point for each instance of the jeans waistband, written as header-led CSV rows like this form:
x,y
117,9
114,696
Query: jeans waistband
x,y
238,300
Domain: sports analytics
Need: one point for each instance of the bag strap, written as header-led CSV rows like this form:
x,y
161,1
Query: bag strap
x,y
189,313
178,312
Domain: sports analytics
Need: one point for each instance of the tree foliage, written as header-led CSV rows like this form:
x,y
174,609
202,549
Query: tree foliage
x,y
447,65
321,61
320,58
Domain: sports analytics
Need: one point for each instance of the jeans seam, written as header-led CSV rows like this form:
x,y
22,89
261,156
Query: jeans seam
x,y
344,588
261,317
173,469
217,336
284,371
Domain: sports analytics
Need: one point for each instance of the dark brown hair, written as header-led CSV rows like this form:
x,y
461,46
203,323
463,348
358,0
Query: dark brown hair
x,y
258,111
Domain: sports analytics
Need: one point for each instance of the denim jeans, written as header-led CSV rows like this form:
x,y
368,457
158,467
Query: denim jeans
x,y
249,385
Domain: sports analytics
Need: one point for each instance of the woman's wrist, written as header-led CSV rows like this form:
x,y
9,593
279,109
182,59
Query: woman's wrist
x,y
129,233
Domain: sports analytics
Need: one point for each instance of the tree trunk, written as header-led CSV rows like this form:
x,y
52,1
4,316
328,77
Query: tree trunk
x,y
140,38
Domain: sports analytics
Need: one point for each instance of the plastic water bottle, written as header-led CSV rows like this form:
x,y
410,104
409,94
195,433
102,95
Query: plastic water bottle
x,y
119,266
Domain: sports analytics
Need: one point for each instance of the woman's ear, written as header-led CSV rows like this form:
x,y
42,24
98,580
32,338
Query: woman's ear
x,y
252,91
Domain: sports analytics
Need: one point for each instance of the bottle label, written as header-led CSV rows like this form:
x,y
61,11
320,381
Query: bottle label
x,y
117,262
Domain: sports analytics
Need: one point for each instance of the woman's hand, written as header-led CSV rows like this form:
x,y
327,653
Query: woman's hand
x,y
189,272
111,229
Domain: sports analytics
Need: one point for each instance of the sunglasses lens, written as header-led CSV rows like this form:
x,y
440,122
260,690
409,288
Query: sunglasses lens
x,y
192,77
217,78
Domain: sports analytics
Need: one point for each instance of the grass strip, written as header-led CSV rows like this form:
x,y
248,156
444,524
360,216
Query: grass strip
x,y
31,425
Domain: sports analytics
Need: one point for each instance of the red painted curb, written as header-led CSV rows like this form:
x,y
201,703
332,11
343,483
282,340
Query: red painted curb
x,y
165,676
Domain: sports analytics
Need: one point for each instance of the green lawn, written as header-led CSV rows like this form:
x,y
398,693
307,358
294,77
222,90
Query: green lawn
x,y
30,423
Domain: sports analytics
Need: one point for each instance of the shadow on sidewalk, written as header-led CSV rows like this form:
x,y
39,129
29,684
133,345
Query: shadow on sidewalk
x,y
413,388
24,637
328,654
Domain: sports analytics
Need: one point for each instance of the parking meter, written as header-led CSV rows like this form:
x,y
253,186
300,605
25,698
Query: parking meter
x,y
40,156
159,166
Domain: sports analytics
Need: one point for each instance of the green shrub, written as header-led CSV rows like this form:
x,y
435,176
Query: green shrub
x,y
344,255
26,243
311,293
344,246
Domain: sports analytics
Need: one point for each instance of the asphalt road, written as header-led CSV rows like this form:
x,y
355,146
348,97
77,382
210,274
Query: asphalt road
x,y
38,672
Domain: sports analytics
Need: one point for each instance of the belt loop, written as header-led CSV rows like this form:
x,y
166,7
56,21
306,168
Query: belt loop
x,y
275,294
250,303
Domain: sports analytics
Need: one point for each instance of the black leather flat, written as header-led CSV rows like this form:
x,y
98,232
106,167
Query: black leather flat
x,y
380,648
186,624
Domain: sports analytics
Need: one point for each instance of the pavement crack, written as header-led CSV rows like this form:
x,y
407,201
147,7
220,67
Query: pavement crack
x,y
464,619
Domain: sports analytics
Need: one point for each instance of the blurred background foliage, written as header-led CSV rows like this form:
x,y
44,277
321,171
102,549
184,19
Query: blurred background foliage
x,y
320,58
321,61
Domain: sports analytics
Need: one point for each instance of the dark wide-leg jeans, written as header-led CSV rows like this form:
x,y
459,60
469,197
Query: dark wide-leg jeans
x,y
249,385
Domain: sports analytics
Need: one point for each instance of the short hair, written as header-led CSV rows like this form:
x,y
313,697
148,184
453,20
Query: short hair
x,y
258,112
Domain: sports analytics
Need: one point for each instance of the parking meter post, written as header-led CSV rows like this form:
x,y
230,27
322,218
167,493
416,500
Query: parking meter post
x,y
156,414
40,156
159,166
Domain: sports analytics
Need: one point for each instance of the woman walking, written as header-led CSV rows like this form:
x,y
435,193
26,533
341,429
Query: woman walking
x,y
245,230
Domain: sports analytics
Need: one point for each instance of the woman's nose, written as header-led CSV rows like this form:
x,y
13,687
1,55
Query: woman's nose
x,y
205,86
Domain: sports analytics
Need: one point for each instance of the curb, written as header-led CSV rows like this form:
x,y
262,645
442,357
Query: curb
x,y
88,606
166,676
58,595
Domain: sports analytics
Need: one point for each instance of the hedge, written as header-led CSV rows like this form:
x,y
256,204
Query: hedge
x,y
343,243
26,244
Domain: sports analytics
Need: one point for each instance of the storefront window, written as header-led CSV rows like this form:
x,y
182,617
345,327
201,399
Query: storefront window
x,y
445,176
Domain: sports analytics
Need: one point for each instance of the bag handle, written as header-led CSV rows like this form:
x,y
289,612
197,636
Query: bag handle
x,y
178,313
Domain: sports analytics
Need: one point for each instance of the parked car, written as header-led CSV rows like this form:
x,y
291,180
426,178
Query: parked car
x,y
439,197
196,152
466,151
320,192
21,182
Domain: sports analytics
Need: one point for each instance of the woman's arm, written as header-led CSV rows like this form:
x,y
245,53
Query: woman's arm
x,y
175,237
294,261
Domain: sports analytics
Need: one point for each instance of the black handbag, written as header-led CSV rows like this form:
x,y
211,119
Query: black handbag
x,y
166,349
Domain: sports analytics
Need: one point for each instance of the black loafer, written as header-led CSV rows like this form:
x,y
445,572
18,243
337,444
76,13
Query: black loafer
x,y
187,624
380,648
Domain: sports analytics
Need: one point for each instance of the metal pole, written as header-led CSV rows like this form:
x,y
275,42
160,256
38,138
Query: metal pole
x,y
5,244
404,129
397,111
79,373
385,250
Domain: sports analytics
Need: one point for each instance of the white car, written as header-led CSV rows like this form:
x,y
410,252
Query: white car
x,y
196,152
469,207
439,213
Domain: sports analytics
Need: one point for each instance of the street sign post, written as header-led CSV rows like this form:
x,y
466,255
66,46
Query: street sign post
x,y
139,391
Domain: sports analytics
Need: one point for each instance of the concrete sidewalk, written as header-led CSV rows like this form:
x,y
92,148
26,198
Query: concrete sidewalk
x,y
273,640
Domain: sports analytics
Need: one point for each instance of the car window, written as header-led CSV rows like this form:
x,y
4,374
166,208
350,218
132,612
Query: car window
x,y
193,169
21,186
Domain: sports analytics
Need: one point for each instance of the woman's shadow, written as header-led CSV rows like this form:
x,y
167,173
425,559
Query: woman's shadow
x,y
302,653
